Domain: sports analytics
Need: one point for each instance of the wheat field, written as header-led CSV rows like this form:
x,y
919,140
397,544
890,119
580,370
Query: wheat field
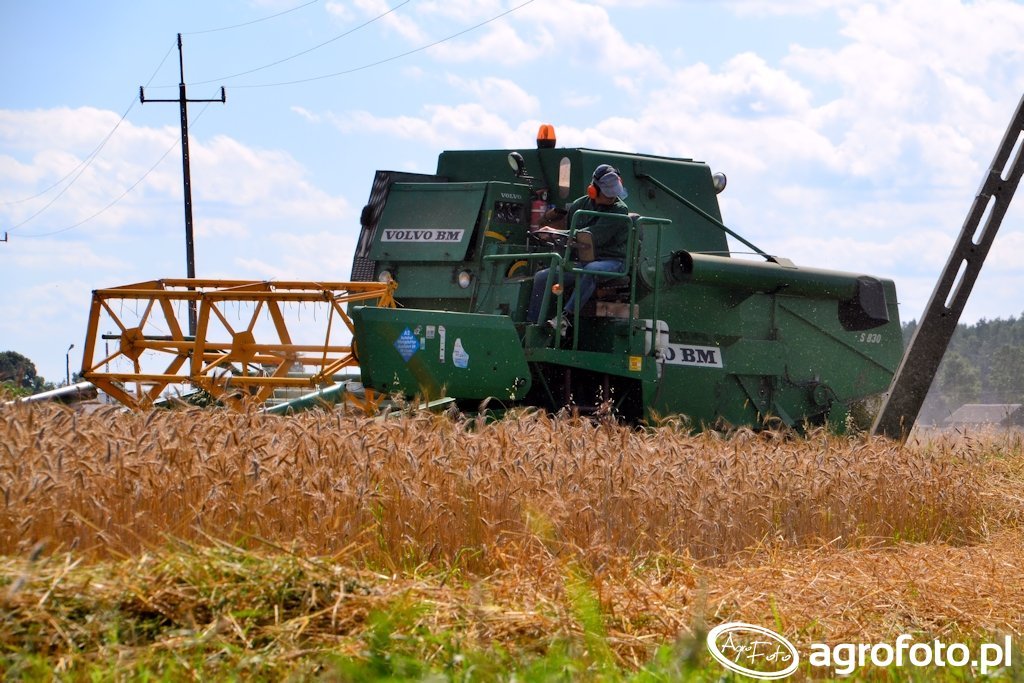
x,y
277,536
428,488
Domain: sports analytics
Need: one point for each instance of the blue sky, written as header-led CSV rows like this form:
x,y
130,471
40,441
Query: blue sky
x,y
854,134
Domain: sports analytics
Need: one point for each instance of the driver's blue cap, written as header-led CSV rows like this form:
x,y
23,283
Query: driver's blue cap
x,y
609,182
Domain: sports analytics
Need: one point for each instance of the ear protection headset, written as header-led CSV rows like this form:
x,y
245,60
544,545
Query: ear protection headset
x,y
592,189
600,172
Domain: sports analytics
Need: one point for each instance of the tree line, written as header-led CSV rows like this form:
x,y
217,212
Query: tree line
x,y
18,376
983,364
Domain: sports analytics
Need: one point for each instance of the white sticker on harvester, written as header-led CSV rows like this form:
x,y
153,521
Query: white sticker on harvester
x,y
660,341
431,331
460,358
440,336
701,356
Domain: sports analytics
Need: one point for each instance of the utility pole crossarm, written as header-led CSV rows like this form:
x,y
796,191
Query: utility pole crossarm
x,y
183,100
921,360
144,100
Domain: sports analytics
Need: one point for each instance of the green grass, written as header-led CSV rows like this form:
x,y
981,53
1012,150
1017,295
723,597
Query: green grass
x,y
390,656
224,613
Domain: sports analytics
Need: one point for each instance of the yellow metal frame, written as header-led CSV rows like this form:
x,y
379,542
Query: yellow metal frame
x,y
222,367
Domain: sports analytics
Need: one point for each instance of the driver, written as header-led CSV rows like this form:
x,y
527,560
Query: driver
x,y
610,237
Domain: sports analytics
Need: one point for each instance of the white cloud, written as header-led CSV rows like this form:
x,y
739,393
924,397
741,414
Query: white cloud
x,y
580,100
922,84
440,127
227,175
539,33
857,149
306,114
397,21
787,7
220,227
273,4
499,43
55,146
1005,254
882,158
41,321
339,10
636,4
465,10
242,197
500,93
60,255
745,116
322,256
255,182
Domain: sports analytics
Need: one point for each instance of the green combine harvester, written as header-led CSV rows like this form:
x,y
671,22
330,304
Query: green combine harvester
x,y
682,326
685,328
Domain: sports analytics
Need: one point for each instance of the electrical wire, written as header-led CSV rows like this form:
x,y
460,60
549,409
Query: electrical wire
x,y
250,23
87,161
84,162
267,85
125,193
81,168
392,58
306,51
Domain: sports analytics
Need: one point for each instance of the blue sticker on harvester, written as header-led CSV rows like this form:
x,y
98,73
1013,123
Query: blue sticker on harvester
x,y
407,344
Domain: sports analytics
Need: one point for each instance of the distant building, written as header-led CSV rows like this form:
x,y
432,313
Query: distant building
x,y
987,415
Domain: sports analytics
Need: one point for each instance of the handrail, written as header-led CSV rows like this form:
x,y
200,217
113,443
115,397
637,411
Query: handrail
x,y
555,262
660,223
703,214
630,265
579,272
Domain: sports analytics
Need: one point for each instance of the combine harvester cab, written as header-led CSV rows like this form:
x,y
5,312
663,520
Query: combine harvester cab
x,y
685,329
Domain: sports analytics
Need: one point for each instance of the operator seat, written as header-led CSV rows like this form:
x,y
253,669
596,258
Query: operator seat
x,y
614,290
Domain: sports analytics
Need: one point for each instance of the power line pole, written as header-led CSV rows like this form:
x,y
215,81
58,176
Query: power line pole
x,y
190,258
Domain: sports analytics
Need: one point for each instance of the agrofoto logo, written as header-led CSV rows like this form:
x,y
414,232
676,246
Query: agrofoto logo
x,y
761,653
753,651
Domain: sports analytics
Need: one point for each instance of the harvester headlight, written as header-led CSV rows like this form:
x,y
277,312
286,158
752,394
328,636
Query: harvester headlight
x,y
518,164
719,181
465,279
385,277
